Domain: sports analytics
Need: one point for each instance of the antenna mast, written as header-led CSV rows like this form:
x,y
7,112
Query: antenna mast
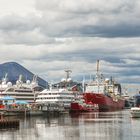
x,y
97,66
97,74
68,74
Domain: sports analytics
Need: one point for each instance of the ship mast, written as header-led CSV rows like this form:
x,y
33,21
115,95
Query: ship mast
x,y
97,74
68,74
97,66
97,71
67,77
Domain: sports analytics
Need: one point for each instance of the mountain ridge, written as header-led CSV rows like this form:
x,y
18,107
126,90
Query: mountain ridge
x,y
14,69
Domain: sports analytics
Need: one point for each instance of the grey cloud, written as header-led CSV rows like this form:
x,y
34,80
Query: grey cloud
x,y
22,30
123,30
17,23
82,6
82,60
68,19
90,18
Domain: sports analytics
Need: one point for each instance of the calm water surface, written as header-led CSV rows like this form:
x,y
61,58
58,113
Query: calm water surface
x,y
85,126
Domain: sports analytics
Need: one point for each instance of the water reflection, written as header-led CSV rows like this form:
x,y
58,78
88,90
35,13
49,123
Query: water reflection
x,y
74,126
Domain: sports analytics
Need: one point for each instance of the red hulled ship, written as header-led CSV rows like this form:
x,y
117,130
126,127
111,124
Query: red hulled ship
x,y
79,105
105,93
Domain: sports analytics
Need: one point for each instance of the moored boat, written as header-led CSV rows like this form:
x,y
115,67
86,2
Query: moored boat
x,y
60,95
105,93
135,111
26,91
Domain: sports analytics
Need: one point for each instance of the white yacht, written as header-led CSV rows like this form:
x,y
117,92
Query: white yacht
x,y
23,91
56,96
60,95
135,112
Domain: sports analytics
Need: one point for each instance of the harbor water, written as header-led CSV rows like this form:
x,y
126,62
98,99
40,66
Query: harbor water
x,y
116,125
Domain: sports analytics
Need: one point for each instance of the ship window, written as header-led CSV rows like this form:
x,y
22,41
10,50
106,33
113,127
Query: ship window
x,y
28,91
96,89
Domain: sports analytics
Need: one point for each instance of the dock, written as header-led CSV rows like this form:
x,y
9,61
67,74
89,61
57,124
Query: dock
x,y
6,123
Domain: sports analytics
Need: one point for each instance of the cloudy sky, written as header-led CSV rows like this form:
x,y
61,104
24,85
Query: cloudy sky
x,y
49,36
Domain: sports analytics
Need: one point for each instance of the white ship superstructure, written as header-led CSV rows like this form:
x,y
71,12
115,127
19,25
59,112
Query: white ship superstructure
x,y
23,91
63,94
56,96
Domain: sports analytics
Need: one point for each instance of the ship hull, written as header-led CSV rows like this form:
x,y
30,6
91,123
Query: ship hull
x,y
104,102
76,107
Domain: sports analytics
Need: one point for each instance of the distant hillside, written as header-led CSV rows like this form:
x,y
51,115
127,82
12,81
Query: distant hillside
x,y
14,69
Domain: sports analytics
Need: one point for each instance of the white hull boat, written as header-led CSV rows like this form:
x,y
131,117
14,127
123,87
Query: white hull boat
x,y
135,112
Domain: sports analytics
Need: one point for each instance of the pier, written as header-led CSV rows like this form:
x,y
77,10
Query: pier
x,y
6,123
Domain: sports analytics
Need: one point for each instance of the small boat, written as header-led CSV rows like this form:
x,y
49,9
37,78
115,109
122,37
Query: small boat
x,y
135,111
129,100
53,108
79,105
82,107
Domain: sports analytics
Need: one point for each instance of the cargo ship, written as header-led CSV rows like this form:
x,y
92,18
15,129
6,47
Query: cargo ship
x,y
104,93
